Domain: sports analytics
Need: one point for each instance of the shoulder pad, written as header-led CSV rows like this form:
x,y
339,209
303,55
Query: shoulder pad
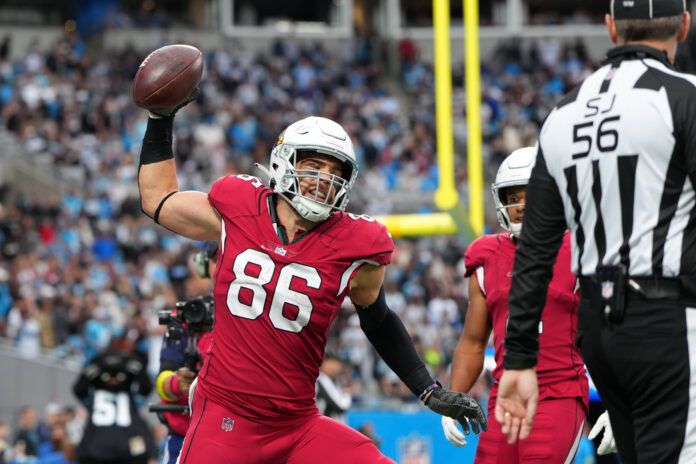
x,y
362,238
237,195
478,251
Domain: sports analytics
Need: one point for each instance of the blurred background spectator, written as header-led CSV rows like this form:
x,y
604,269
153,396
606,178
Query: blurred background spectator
x,y
80,269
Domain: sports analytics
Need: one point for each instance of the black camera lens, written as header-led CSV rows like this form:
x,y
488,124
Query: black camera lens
x,y
196,315
194,312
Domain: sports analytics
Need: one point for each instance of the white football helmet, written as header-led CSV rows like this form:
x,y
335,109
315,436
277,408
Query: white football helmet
x,y
318,135
515,170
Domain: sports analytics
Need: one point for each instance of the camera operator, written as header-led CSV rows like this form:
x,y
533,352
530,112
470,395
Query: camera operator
x,y
185,345
115,432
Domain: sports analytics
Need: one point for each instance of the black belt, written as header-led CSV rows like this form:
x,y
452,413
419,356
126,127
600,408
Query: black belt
x,y
651,288
656,288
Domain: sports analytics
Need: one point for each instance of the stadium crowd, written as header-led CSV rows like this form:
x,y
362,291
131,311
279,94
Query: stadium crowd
x,y
80,268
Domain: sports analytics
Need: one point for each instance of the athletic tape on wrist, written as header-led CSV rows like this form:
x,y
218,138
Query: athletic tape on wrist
x,y
429,391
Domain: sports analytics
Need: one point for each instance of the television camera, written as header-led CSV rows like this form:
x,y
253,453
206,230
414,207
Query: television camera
x,y
190,320
196,315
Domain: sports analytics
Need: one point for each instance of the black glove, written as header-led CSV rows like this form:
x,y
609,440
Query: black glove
x,y
170,112
459,406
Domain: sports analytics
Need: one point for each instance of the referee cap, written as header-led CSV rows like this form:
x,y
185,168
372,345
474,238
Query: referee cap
x,y
646,9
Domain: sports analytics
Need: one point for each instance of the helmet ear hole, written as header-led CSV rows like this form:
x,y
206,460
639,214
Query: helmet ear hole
x,y
347,171
502,194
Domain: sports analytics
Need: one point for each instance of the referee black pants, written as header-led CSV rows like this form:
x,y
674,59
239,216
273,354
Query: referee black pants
x,y
645,371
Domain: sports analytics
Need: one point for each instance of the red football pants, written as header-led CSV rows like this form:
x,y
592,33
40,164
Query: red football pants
x,y
558,427
216,435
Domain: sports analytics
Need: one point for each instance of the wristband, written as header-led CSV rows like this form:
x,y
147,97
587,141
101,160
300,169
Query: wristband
x,y
157,142
164,376
429,391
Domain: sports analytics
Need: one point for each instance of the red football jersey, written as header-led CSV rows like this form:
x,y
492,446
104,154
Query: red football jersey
x,y
274,303
560,368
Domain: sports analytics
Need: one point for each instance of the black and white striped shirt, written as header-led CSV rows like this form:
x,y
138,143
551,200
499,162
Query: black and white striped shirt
x,y
616,164
618,148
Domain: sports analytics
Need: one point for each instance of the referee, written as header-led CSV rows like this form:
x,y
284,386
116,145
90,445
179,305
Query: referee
x,y
616,163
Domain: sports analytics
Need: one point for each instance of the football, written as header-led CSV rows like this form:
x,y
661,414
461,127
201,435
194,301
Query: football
x,y
167,77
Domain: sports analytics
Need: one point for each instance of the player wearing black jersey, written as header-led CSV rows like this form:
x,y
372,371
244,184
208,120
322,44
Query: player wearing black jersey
x,y
115,432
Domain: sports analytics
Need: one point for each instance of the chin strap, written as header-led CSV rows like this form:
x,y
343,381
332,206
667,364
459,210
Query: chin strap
x,y
306,211
516,229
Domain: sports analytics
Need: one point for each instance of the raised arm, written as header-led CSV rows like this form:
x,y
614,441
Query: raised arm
x,y
186,213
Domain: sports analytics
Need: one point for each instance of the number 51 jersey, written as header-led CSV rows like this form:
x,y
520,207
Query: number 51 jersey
x,y
275,302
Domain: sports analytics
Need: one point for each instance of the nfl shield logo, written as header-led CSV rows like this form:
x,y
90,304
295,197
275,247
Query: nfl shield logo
x,y
227,424
607,289
414,449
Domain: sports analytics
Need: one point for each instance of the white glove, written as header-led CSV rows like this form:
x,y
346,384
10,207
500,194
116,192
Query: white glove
x,y
452,432
608,444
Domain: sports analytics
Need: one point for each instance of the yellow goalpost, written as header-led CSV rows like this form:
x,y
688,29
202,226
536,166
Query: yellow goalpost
x,y
454,218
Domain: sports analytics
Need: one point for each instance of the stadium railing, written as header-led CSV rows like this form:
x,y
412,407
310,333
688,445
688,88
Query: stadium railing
x,y
32,379
30,174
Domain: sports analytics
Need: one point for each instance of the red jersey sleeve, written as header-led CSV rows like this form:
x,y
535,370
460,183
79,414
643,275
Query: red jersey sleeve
x,y
236,195
359,238
477,253
382,247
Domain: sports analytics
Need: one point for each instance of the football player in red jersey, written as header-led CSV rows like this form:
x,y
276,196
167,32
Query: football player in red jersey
x,y
563,386
289,254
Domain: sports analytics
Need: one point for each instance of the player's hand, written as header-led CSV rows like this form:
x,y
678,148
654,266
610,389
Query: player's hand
x,y
185,377
458,406
608,444
452,432
518,395
170,112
